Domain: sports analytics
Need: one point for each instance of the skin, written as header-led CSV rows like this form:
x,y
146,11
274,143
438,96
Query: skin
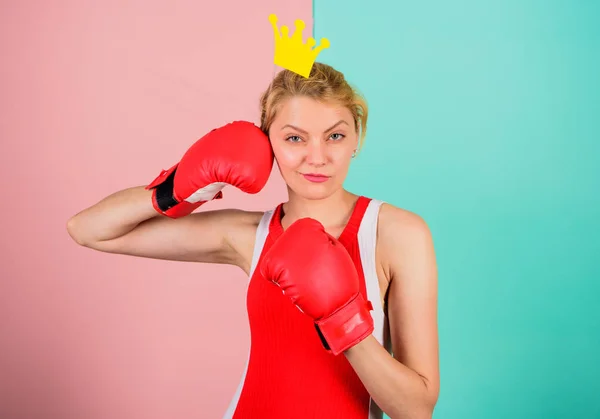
x,y
313,137
307,136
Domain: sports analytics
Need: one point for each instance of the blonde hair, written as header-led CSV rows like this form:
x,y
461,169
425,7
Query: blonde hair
x,y
323,84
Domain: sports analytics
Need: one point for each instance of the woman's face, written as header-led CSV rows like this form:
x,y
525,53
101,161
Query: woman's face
x,y
313,144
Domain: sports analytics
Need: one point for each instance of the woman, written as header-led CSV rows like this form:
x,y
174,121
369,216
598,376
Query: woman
x,y
342,298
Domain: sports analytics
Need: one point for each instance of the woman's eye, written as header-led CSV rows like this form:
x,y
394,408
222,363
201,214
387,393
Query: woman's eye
x,y
293,139
337,136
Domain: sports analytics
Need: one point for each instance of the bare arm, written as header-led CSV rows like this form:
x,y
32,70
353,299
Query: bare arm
x,y
126,223
406,383
112,217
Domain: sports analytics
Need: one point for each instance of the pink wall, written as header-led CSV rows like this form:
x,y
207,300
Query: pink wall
x,y
96,98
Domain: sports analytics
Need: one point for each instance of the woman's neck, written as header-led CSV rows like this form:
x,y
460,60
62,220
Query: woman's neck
x,y
333,211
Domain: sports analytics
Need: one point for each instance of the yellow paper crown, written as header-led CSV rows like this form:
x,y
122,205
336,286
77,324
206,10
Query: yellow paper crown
x,y
291,53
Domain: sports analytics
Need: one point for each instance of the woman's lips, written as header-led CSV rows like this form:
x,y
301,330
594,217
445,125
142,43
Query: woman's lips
x,y
314,177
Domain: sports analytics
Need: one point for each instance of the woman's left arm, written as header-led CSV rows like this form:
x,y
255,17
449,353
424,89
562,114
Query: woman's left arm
x,y
405,386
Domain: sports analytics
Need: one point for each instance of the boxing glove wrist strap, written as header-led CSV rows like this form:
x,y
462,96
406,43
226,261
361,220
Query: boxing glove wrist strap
x,y
165,202
164,193
347,326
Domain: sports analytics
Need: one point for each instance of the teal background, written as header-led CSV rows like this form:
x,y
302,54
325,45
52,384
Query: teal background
x,y
484,120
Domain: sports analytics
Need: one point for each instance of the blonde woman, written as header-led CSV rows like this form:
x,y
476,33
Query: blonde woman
x,y
342,295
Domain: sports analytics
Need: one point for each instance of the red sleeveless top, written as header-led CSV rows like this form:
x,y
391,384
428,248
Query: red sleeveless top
x,y
289,373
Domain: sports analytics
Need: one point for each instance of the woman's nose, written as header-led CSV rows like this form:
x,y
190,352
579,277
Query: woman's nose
x,y
316,153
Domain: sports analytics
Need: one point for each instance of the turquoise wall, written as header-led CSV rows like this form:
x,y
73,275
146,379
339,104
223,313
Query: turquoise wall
x,y
485,120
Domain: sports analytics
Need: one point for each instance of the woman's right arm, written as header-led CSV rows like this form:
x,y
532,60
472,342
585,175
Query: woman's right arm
x,y
157,221
125,222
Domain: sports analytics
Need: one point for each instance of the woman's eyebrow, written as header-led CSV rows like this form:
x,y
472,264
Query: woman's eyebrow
x,y
304,132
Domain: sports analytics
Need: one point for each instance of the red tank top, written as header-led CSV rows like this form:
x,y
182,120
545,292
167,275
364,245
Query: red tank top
x,y
289,373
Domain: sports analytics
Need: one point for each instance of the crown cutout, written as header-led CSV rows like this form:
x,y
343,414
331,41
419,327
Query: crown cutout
x,y
292,53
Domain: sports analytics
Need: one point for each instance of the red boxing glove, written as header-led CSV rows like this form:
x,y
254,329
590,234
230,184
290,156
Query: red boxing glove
x,y
237,154
316,272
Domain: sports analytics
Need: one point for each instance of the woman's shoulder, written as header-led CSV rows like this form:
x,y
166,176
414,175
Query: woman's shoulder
x,y
239,225
403,238
399,227
392,216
